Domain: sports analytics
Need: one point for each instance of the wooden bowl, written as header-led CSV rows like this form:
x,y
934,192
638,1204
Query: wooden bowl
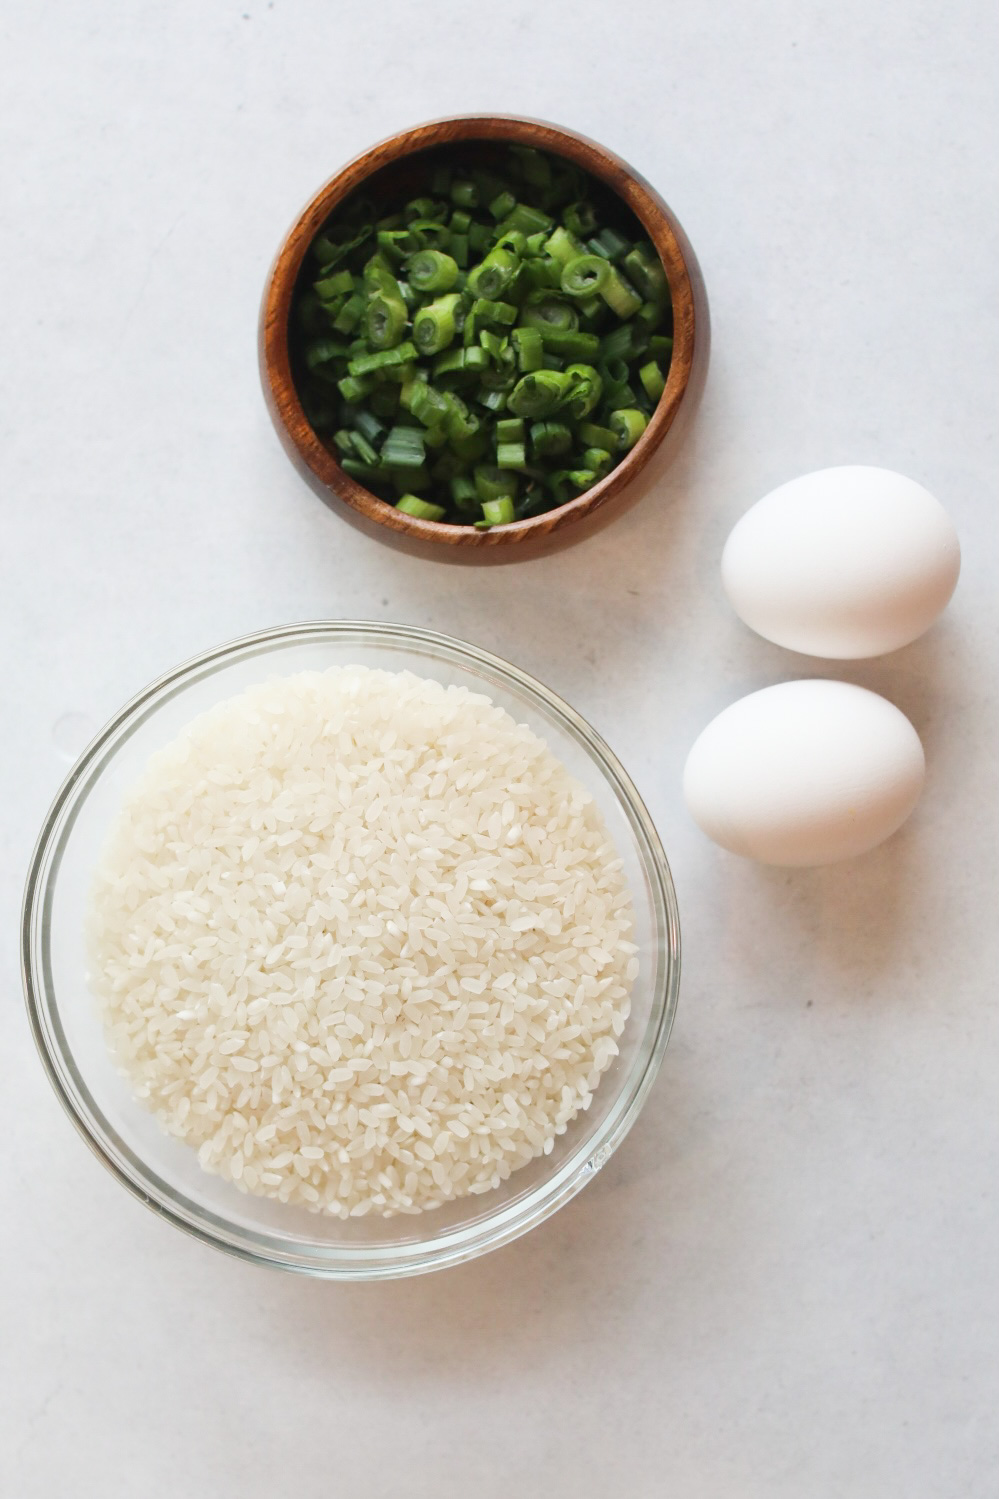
x,y
578,517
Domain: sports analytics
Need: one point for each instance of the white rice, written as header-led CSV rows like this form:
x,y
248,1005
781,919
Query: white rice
x,y
362,941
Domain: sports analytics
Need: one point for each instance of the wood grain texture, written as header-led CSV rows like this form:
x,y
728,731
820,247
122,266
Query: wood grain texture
x,y
541,533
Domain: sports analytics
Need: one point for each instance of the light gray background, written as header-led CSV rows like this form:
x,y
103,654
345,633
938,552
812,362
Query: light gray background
x,y
785,1284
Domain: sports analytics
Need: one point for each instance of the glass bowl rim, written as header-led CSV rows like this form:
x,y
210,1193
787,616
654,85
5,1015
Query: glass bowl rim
x,y
336,1262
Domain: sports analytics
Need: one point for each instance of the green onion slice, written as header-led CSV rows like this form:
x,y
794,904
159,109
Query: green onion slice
x,y
411,504
584,275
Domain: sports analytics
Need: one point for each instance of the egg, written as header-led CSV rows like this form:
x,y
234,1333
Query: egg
x,y
845,562
804,772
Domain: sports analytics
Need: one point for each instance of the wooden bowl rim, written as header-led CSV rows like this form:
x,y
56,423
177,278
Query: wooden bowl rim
x,y
616,174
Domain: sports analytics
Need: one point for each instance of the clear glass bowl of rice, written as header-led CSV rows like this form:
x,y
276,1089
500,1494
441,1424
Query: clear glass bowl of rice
x,y
163,1171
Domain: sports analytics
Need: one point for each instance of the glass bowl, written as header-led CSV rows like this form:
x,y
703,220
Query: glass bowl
x,y
163,1172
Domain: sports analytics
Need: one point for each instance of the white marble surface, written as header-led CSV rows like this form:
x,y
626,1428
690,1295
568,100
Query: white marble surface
x,y
785,1284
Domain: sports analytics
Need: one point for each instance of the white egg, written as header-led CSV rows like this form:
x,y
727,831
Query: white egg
x,y
846,562
804,773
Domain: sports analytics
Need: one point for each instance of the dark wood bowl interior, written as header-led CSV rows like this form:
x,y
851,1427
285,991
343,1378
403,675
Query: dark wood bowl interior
x,y
390,173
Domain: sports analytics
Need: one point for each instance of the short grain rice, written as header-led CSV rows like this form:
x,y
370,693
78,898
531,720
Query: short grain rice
x,y
362,941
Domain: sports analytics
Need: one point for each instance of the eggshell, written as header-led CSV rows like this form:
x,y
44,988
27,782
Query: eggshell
x,y
846,562
804,773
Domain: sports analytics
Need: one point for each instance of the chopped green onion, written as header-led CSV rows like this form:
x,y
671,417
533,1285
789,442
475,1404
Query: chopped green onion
x,y
648,318
619,296
585,389
598,460
498,512
366,364
464,362
427,234
496,324
534,167
395,243
511,455
404,448
397,374
494,312
365,451
322,355
539,393
421,208
502,205
493,343
619,397
494,484
434,325
431,270
329,253
526,219
617,344
379,276
542,273
368,425
464,494
411,504
584,275
530,349
470,330
560,486
354,388
364,473
510,445
465,194
494,274
545,312
628,426
515,242
652,380
451,362
550,439
580,218
470,441
609,243
563,247
429,406
350,313
597,437
480,237
645,271
334,286
613,369
385,320
494,400
570,342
